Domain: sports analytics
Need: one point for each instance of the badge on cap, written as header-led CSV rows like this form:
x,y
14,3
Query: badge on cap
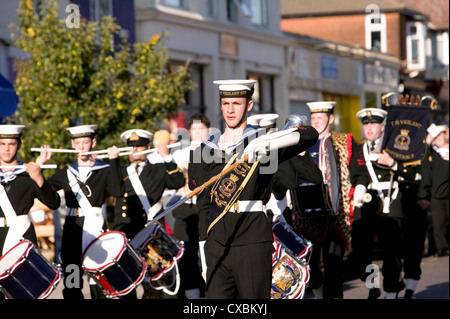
x,y
371,115
82,131
136,137
11,131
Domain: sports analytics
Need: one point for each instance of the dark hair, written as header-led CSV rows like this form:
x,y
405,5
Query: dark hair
x,y
199,117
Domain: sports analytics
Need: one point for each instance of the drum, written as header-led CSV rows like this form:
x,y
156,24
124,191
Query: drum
x,y
160,250
26,274
313,198
113,264
290,268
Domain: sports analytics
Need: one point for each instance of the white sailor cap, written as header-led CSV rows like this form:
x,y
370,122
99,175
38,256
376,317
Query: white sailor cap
x,y
321,106
442,128
11,131
136,137
235,88
82,131
371,115
263,120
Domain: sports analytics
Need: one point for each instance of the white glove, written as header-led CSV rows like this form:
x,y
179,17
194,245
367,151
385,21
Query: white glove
x,y
358,195
262,145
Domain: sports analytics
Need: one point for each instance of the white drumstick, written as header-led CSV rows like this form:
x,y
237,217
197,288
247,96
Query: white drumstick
x,y
54,150
23,166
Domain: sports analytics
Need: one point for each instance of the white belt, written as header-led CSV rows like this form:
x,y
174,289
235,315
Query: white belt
x,y
382,185
247,206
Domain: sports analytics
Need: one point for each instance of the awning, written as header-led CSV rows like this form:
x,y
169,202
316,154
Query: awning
x,y
8,98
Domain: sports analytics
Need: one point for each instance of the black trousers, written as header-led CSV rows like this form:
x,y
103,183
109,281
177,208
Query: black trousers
x,y
327,265
371,223
238,272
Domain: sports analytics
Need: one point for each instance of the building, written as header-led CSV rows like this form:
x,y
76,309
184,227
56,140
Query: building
x,y
413,31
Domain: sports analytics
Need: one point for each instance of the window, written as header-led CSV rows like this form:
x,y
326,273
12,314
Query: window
x,y
376,33
100,8
256,10
415,45
212,8
174,3
259,12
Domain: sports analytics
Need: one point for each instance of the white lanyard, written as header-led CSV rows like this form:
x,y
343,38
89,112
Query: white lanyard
x,y
139,189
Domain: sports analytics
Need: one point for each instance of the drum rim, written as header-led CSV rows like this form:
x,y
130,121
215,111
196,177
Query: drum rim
x,y
109,264
157,225
19,262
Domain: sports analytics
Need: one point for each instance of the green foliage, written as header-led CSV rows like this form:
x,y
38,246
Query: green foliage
x,y
75,76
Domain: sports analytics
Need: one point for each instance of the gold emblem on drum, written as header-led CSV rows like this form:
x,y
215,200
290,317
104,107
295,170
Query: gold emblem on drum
x,y
228,185
402,140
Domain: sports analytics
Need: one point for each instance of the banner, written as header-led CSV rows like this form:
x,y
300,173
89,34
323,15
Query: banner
x,y
405,131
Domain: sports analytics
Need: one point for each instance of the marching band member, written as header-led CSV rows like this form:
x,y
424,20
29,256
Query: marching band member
x,y
382,215
328,228
86,183
186,218
18,189
434,168
145,180
238,233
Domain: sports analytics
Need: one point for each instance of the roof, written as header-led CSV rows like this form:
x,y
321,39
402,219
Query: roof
x,y
335,7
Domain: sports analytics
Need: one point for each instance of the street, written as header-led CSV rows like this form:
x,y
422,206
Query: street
x,y
434,283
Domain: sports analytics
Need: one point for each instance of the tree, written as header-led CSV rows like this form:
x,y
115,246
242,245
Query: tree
x,y
75,76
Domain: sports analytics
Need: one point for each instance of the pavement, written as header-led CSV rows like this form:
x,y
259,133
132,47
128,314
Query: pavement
x,y
434,283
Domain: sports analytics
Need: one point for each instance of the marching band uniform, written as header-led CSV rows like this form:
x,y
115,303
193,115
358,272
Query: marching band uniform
x,y
382,215
434,169
144,184
186,218
329,230
238,234
145,179
86,189
17,193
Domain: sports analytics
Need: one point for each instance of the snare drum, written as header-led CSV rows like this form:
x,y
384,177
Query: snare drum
x,y
286,237
114,264
26,274
160,250
290,268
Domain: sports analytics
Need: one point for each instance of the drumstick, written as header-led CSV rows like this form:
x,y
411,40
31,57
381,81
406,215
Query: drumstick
x,y
106,151
53,150
23,166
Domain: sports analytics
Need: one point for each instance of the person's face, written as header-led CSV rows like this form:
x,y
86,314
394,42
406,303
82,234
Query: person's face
x,y
233,109
138,158
198,132
372,131
8,149
322,122
83,144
